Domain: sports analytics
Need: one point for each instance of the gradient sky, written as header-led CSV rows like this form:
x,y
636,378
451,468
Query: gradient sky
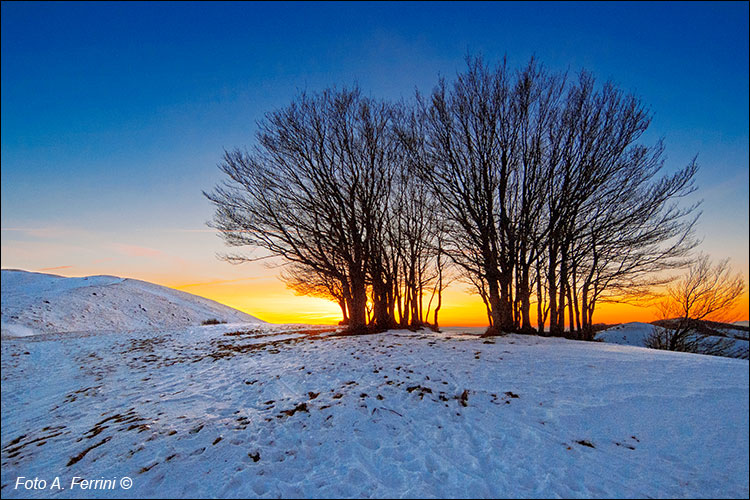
x,y
115,115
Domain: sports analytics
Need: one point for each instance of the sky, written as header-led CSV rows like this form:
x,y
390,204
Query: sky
x,y
115,116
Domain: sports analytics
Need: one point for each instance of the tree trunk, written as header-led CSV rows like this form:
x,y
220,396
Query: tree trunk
x,y
552,285
506,301
540,319
440,299
524,294
571,322
497,321
560,330
342,305
585,323
358,304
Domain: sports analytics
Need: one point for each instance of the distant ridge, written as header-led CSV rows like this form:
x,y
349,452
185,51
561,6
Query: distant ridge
x,y
735,337
34,303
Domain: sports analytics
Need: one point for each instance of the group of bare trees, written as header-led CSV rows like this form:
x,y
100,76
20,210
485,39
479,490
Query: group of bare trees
x,y
529,185
330,189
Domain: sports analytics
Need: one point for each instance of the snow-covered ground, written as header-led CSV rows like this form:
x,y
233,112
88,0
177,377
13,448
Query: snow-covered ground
x,y
34,303
285,411
636,333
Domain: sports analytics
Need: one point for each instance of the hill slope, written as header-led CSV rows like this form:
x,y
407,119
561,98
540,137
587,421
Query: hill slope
x,y
34,303
635,334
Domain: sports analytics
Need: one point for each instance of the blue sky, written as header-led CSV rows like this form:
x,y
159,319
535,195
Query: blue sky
x,y
114,115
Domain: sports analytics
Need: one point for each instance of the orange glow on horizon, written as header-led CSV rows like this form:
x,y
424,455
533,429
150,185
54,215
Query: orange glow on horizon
x,y
269,299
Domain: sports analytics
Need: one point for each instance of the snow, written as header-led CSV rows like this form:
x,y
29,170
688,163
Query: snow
x,y
294,411
35,303
733,332
636,333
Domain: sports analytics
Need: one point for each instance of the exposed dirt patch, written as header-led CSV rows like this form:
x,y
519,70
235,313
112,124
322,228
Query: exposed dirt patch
x,y
464,398
299,407
421,390
78,457
15,447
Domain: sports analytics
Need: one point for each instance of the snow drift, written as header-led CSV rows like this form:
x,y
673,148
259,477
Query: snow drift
x,y
34,303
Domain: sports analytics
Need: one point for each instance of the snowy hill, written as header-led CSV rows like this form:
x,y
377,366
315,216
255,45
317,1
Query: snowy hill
x,y
274,412
635,334
34,303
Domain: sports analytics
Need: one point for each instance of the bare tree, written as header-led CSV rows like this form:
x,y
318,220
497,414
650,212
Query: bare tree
x,y
544,182
311,192
465,162
613,220
706,292
330,191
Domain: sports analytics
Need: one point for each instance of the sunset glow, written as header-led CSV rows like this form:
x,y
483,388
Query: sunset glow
x,y
103,169
252,288
271,301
